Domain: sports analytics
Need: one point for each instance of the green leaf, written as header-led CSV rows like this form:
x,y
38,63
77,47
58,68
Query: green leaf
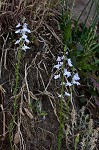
x,y
67,32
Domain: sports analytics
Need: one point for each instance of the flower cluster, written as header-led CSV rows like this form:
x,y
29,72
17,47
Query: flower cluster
x,y
70,77
23,40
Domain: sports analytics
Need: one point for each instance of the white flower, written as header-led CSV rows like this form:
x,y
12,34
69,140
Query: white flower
x,y
25,29
58,58
68,84
25,47
58,65
19,25
25,38
76,77
17,42
25,25
56,76
67,94
76,82
67,73
69,62
66,53
62,57
18,31
61,63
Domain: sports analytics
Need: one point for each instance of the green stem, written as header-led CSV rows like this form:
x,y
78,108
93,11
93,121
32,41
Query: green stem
x,y
15,97
61,105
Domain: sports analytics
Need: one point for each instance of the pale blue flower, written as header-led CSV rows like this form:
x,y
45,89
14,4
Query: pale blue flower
x,y
23,39
25,29
58,65
56,76
18,31
67,94
67,73
76,82
68,84
69,63
59,58
25,47
76,77
17,42
19,25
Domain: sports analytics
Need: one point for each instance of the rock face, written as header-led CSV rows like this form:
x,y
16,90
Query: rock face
x,y
79,5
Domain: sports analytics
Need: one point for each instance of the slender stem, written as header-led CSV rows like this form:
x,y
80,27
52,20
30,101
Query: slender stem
x,y
15,97
61,105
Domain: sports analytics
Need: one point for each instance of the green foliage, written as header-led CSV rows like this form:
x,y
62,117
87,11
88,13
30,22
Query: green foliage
x,y
36,106
66,28
82,43
76,141
83,47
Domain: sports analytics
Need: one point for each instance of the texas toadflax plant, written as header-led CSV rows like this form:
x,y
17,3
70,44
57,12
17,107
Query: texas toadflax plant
x,y
70,74
23,40
68,77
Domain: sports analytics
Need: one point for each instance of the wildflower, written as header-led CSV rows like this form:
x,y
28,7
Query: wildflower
x,y
70,63
59,58
25,47
25,29
67,94
68,84
76,82
75,79
18,31
24,36
67,73
57,76
19,25
66,53
23,39
17,42
58,65
62,57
